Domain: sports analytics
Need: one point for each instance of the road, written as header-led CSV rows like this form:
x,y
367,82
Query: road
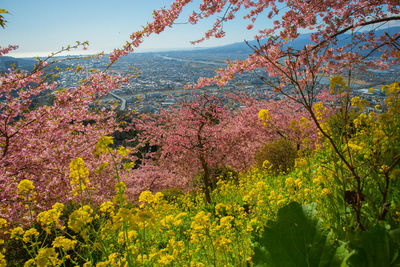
x,y
123,101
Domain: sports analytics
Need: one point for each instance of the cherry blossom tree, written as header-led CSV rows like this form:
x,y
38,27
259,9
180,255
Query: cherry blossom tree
x,y
188,137
38,143
201,136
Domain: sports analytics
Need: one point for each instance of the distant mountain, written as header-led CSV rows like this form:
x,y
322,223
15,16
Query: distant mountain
x,y
7,62
27,64
299,43
239,50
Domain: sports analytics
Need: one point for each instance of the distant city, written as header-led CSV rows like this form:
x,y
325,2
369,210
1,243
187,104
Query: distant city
x,y
162,76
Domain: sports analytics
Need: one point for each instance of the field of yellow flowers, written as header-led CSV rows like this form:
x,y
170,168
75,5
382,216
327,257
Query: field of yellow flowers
x,y
177,228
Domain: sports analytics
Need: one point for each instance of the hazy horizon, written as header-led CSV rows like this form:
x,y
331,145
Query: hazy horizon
x,y
44,26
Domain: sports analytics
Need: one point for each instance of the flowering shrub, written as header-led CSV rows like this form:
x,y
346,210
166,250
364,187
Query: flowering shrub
x,y
277,156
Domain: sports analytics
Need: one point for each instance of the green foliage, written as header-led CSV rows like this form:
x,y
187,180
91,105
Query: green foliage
x,y
15,254
280,156
225,173
377,247
341,124
172,194
296,238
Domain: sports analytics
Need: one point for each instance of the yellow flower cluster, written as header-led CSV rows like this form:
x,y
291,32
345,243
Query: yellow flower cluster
x,y
30,235
17,232
359,103
161,233
26,191
127,237
123,151
50,217
47,257
200,227
102,146
170,221
3,262
319,111
148,197
264,116
337,81
107,208
114,259
128,165
267,165
120,196
64,243
3,230
79,174
79,219
25,187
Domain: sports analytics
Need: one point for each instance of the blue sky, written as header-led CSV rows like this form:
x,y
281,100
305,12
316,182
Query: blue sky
x,y
40,26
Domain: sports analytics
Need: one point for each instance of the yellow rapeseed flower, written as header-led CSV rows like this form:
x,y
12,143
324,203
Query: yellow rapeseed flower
x,y
220,209
79,174
294,125
123,151
384,168
102,146
30,235
267,165
25,187
226,222
107,208
3,223
196,264
319,111
325,191
47,257
128,165
264,116
79,218
127,237
30,263
64,243
17,232
289,183
298,183
146,197
165,259
3,262
222,244
336,80
50,217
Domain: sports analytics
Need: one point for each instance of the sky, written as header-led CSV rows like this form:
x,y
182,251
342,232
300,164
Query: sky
x,y
43,26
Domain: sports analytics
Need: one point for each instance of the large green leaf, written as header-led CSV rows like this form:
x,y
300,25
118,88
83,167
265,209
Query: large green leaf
x,y
377,247
297,239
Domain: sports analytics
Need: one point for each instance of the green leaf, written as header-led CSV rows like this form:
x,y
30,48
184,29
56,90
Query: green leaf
x,y
377,247
297,239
